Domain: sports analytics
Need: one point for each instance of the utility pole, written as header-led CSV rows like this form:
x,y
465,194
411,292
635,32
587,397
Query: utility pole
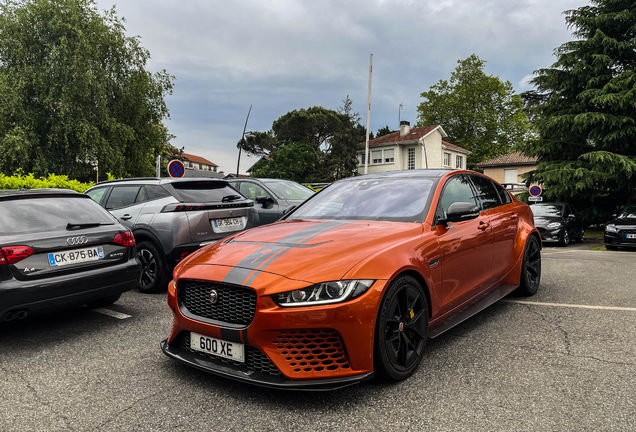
x,y
366,151
238,162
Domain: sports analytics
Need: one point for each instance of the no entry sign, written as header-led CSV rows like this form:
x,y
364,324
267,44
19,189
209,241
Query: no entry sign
x,y
176,168
535,191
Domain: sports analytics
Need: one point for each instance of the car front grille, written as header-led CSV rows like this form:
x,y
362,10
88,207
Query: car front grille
x,y
622,236
254,359
314,351
235,304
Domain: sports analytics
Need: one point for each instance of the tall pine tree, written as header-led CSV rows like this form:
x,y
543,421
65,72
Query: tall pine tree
x,y
584,107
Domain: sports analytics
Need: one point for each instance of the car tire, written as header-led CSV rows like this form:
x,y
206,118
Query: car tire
x,y
530,268
153,268
565,239
580,237
611,248
103,302
401,330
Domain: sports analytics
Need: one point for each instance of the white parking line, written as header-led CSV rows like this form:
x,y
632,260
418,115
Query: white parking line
x,y
112,313
571,305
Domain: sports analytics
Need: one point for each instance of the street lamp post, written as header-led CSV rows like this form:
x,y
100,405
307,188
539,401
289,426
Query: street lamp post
x,y
238,162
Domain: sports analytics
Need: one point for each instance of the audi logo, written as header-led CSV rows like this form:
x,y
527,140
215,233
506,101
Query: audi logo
x,y
74,241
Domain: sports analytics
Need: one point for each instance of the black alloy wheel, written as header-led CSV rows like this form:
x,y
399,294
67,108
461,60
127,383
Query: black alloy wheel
x,y
531,268
153,268
401,330
565,238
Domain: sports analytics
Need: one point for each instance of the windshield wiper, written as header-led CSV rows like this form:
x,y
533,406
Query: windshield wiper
x,y
231,198
74,226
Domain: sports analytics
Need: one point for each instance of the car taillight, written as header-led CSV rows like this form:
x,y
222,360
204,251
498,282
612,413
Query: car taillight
x,y
181,207
3,260
125,239
14,254
184,254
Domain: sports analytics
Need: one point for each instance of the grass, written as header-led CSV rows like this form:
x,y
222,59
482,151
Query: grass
x,y
598,248
594,234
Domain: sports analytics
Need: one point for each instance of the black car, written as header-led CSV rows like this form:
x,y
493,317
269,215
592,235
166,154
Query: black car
x,y
558,222
273,197
621,231
58,249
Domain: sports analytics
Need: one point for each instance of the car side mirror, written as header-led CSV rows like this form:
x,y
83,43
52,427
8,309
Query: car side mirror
x,y
460,211
261,199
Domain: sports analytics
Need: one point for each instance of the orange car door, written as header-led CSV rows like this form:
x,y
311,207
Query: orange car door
x,y
496,202
466,247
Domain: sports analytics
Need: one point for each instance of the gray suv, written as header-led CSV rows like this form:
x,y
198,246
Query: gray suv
x,y
171,218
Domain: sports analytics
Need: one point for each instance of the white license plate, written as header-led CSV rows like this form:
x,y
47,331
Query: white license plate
x,y
76,256
229,224
229,350
630,236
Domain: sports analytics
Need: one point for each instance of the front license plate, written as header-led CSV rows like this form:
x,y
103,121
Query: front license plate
x,y
229,350
630,236
228,225
76,256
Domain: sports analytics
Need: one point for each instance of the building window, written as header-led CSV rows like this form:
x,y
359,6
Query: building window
x,y
388,156
411,159
447,159
376,156
458,161
362,159
510,176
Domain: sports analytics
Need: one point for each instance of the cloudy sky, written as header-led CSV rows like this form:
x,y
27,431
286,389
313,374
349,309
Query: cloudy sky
x,y
281,55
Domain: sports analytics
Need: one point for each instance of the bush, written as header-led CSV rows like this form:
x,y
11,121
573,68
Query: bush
x,y
52,181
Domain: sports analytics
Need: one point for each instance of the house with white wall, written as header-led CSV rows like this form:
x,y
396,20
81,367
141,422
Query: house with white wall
x,y
417,148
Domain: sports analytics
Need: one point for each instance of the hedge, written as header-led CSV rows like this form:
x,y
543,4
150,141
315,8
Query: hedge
x,y
52,181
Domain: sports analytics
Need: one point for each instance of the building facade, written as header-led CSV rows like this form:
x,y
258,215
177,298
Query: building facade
x,y
417,148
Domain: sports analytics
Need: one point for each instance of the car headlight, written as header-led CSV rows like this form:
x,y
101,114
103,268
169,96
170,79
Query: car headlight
x,y
323,293
554,225
611,228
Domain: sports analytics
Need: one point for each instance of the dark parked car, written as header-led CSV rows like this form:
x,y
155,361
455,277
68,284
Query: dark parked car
x,y
558,222
59,249
171,218
273,197
621,231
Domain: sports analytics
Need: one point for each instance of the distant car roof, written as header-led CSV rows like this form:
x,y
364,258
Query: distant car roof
x,y
159,181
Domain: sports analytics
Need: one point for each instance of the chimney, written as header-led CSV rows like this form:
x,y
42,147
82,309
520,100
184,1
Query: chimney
x,y
405,127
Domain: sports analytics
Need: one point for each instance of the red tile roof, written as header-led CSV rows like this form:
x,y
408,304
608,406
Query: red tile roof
x,y
413,135
198,159
454,147
514,158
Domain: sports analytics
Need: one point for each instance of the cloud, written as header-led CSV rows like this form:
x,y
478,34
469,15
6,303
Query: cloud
x,y
284,55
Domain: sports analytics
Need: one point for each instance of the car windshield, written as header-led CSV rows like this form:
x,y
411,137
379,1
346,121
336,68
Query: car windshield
x,y
628,213
395,199
36,215
289,190
547,210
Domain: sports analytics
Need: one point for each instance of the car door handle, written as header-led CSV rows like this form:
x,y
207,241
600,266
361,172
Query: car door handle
x,y
482,226
514,216
126,217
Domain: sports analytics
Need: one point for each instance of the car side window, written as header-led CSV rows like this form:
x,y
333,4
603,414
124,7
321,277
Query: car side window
x,y
503,194
486,192
142,196
457,189
97,194
156,192
252,190
122,196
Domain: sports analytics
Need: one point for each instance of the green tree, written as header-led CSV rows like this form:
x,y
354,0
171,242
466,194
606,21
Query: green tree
x,y
479,112
383,131
585,110
330,137
294,161
74,92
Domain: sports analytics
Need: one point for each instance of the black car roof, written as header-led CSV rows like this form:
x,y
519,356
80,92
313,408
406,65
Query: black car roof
x,y
31,193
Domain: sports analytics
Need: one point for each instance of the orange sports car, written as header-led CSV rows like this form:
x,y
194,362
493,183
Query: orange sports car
x,y
353,282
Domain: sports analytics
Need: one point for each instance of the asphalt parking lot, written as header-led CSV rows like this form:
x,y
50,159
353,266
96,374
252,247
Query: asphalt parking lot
x,y
562,360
